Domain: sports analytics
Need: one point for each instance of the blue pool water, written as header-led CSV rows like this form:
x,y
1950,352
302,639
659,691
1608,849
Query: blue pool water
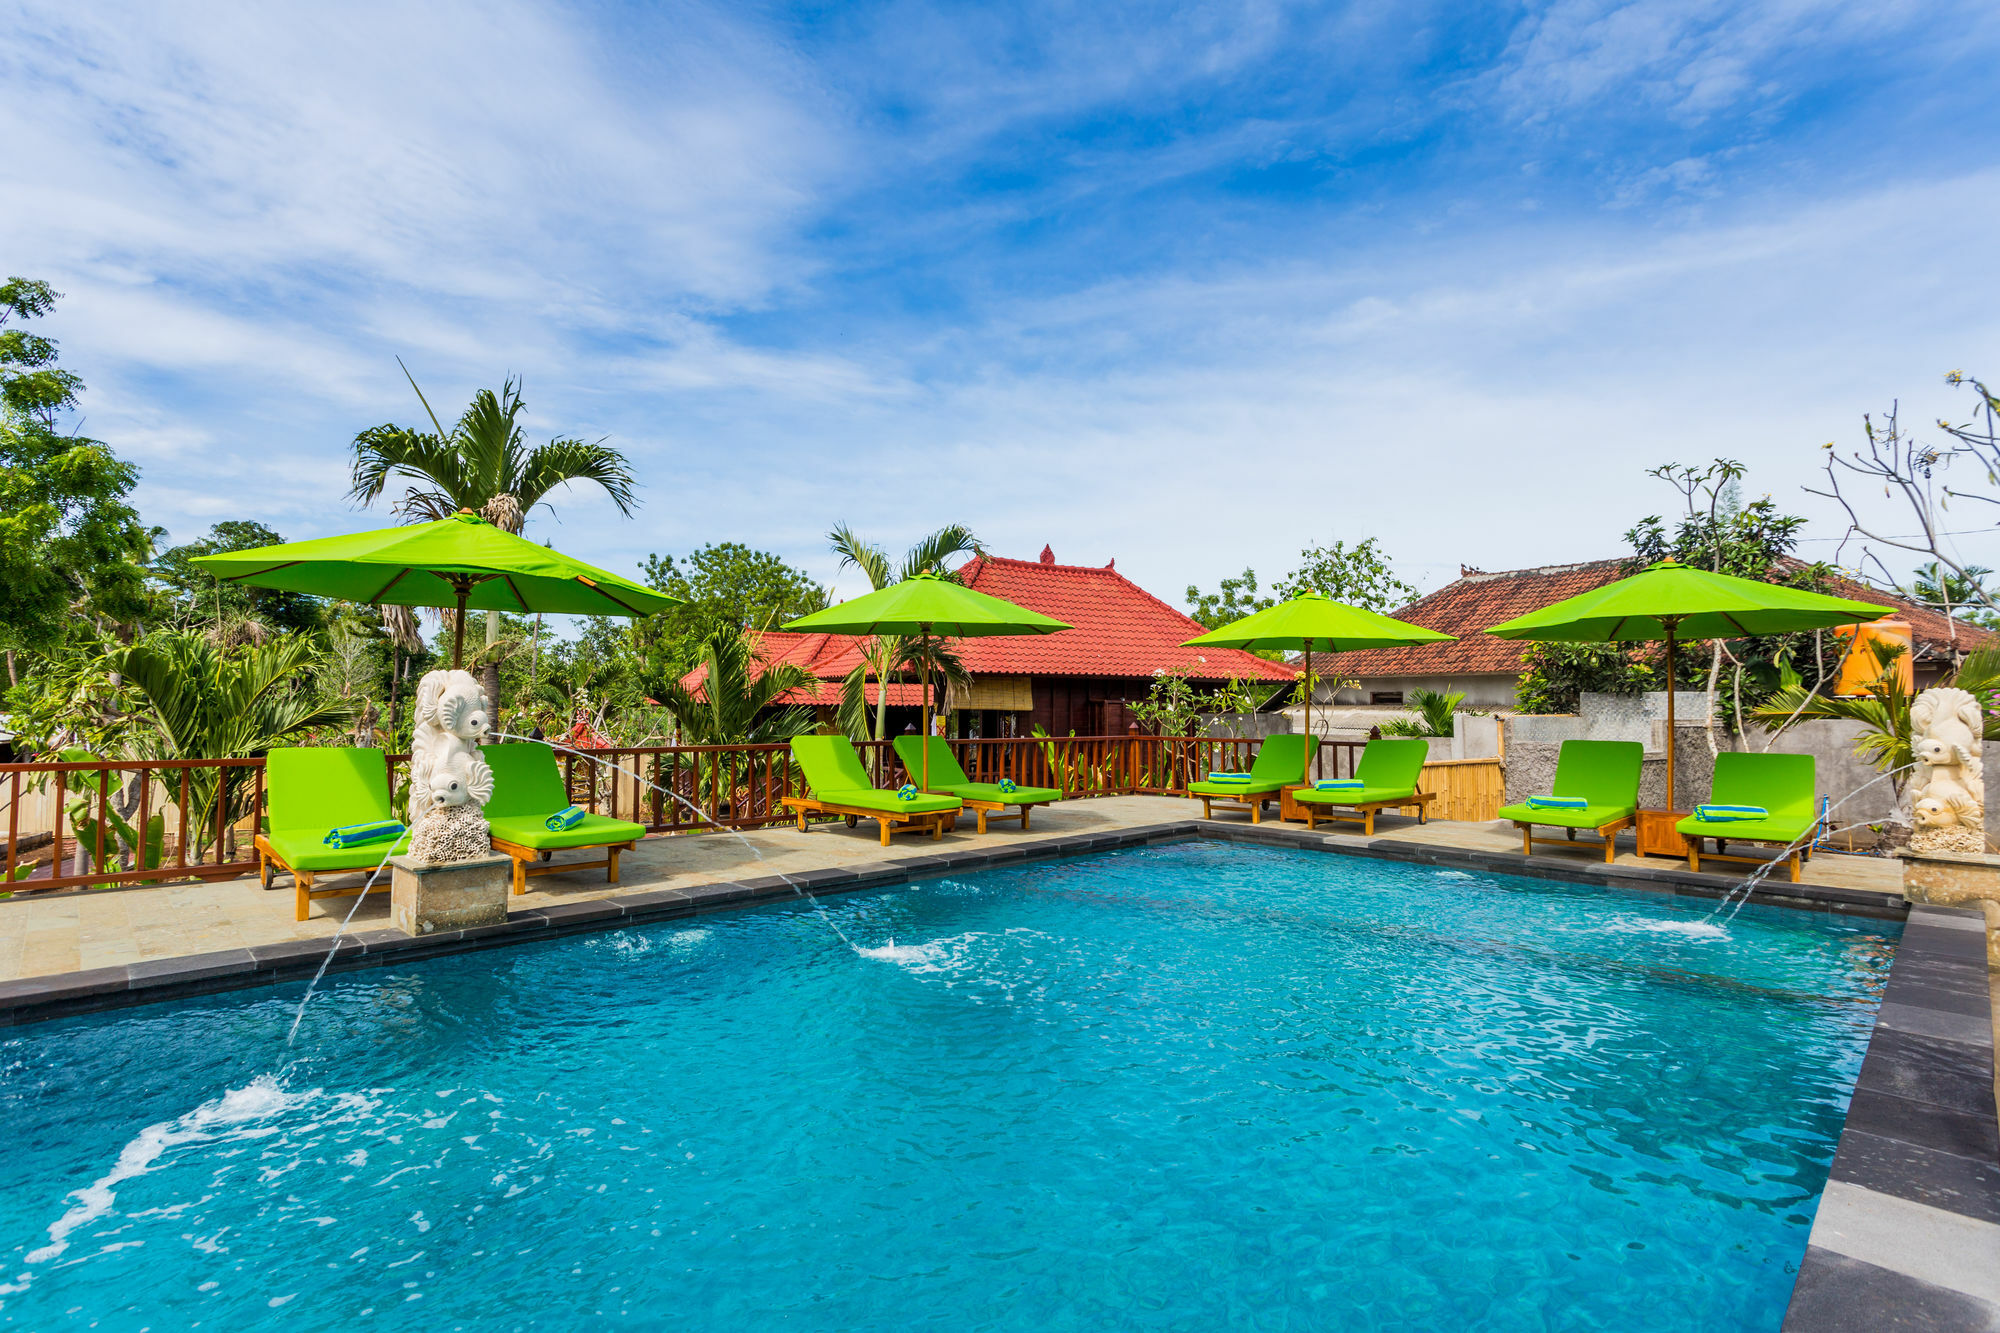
x,y
1187,1087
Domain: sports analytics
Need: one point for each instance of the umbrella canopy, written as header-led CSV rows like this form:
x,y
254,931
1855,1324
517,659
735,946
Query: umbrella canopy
x,y
462,562
1671,598
1314,620
1674,602
927,606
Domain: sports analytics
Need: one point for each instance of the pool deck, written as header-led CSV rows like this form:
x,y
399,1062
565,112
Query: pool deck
x,y
1907,1233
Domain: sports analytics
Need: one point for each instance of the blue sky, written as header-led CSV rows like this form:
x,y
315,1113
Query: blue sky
x,y
1191,286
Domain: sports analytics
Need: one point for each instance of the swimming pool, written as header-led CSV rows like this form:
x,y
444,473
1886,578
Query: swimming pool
x,y
1177,1087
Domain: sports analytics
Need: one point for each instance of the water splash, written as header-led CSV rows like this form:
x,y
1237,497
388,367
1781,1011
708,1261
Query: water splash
x,y
249,1112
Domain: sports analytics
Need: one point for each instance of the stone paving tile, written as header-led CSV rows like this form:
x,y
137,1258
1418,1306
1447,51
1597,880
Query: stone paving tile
x,y
1836,1294
1929,1244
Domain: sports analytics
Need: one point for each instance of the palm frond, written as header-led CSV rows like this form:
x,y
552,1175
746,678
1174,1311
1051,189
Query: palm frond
x,y
851,716
870,559
564,460
931,553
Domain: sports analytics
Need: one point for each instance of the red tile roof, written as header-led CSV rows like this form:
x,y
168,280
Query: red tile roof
x,y
1466,608
1118,630
1479,600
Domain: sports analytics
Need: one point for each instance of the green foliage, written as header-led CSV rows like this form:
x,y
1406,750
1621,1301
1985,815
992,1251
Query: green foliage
x,y
69,541
1556,675
1963,596
736,701
196,596
199,701
1232,600
1175,704
722,585
1435,711
1359,575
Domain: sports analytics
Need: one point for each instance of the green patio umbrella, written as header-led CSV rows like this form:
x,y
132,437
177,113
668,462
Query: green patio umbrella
x,y
928,606
1312,620
462,562
1675,602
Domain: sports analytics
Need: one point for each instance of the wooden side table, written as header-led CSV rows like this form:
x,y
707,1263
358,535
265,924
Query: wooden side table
x,y
1658,836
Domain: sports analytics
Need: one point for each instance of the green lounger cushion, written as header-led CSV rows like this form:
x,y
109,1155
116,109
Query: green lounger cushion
x,y
1281,762
528,788
834,772
1388,771
312,790
1603,773
591,831
989,791
1784,784
948,776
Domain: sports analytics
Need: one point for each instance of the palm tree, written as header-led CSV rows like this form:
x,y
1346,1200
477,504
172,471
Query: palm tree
x,y
482,464
204,701
736,696
887,654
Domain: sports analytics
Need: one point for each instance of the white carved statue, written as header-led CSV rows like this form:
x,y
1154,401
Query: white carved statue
x,y
449,781
1949,787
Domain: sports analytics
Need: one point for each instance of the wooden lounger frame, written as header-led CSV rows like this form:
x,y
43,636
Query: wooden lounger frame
x,y
303,880
1364,815
526,859
1792,862
998,812
1607,831
936,821
1255,807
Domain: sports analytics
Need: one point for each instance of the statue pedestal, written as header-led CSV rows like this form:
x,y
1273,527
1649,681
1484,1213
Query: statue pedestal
x,y
1957,879
424,898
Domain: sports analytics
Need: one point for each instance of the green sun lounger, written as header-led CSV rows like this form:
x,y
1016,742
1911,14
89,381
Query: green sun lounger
x,y
947,778
308,793
840,786
1388,772
1604,775
1281,762
1787,785
528,788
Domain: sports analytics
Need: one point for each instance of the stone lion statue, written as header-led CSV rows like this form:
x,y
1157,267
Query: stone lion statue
x,y
449,782
1949,788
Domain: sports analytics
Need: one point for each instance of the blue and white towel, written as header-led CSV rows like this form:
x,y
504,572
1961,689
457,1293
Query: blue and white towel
x,y
1339,784
1730,814
566,818
360,835
1557,803
1226,778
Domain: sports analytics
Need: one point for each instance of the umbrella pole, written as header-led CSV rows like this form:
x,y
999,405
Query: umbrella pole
x,y
1670,713
1311,765
458,629
924,661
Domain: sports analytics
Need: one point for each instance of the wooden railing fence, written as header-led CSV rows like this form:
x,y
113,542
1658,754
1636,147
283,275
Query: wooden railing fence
x,y
123,822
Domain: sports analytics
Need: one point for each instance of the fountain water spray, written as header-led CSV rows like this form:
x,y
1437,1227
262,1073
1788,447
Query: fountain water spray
x,y
1762,872
697,812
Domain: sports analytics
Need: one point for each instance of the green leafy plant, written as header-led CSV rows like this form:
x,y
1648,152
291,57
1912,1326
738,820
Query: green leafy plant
x,y
200,701
1434,715
887,655
1557,675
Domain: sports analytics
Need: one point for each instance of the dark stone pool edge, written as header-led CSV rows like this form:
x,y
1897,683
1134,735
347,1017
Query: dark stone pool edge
x,y
1915,1187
